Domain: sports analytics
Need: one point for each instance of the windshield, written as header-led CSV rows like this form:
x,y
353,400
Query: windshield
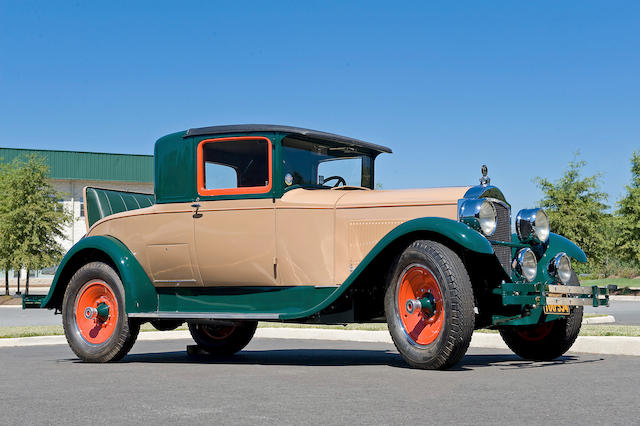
x,y
322,165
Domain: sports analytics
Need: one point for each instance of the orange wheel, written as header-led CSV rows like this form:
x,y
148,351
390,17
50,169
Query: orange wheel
x,y
420,325
536,333
429,306
96,312
94,318
223,339
218,332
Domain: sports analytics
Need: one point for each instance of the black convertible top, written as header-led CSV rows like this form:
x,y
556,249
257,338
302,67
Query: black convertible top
x,y
306,133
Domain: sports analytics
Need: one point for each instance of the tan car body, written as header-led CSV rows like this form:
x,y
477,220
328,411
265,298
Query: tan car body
x,y
306,237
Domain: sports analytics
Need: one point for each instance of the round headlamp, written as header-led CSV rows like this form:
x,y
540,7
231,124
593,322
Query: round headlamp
x,y
479,215
560,268
526,264
532,226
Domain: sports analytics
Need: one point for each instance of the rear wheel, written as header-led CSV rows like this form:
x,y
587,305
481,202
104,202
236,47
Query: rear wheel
x,y
429,306
94,318
546,341
224,339
166,325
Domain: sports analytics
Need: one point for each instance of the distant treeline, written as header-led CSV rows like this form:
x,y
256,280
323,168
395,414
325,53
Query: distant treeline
x,y
577,210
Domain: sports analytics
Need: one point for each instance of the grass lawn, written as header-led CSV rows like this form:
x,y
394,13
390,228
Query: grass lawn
x,y
620,282
53,330
50,330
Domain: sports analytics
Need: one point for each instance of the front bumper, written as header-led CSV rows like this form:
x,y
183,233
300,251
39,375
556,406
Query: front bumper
x,y
553,294
532,298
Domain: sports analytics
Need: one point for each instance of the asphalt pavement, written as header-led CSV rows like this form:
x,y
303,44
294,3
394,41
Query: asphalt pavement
x,y
625,312
277,381
13,315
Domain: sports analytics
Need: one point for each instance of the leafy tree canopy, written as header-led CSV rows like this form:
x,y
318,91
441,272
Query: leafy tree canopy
x,y
31,218
577,210
628,236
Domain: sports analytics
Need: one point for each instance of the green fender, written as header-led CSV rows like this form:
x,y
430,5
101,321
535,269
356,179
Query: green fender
x,y
555,245
558,243
457,232
140,294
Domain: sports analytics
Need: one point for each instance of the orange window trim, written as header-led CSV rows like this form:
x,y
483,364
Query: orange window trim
x,y
202,190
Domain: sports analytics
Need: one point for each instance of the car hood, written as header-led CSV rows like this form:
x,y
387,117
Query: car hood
x,y
401,197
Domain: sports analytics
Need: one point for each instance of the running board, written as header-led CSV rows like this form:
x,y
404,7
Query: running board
x,y
205,315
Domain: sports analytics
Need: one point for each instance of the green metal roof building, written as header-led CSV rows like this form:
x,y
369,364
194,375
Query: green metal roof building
x,y
89,166
71,171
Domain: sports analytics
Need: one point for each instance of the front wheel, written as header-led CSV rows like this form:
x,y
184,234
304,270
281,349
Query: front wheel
x,y
93,315
223,339
429,306
546,341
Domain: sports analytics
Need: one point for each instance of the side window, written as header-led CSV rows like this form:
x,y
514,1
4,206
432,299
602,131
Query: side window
x,y
234,166
219,176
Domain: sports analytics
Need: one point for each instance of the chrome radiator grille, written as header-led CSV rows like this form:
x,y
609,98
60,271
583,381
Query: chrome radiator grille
x,y
503,233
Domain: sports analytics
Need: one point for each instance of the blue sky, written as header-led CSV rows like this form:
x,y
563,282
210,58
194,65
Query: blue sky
x,y
520,86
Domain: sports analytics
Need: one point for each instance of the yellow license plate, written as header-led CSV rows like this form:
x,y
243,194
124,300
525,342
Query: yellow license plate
x,y
557,309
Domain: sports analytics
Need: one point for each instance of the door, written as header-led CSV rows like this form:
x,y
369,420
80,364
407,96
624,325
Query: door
x,y
234,225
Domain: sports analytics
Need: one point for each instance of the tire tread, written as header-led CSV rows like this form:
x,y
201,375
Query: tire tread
x,y
462,302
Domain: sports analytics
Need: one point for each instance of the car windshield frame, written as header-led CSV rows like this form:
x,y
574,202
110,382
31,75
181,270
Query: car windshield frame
x,y
315,152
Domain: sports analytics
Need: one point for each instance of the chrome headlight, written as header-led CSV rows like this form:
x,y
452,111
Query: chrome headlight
x,y
526,264
532,226
479,215
560,268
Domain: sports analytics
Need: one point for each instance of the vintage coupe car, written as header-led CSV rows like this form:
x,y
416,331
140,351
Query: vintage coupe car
x,y
274,223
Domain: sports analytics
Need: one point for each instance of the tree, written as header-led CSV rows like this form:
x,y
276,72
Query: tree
x,y
628,236
577,211
8,242
31,218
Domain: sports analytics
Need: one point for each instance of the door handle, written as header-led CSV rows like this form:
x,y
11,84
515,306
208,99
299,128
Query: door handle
x,y
197,207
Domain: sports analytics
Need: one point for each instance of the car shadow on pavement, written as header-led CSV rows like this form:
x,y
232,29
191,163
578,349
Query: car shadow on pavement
x,y
293,357
511,361
343,357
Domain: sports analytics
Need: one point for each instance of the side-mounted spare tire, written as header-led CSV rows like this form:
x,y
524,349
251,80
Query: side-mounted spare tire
x,y
429,306
93,315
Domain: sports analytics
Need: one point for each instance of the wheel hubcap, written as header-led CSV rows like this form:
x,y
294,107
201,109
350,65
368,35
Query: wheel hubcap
x,y
420,305
96,312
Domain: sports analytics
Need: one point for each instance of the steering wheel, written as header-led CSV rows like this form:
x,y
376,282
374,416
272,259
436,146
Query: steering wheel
x,y
339,178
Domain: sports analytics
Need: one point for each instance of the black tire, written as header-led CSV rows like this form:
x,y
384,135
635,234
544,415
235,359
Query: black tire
x,y
121,336
545,341
166,325
457,322
223,340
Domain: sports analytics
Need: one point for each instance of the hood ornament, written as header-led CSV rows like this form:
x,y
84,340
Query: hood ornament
x,y
484,180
